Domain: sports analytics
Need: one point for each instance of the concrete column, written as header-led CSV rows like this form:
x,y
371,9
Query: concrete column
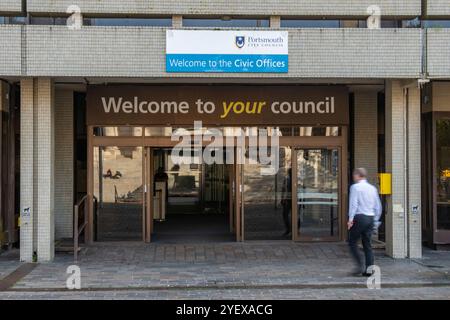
x,y
275,22
414,174
403,161
37,169
177,21
365,135
64,169
45,126
27,233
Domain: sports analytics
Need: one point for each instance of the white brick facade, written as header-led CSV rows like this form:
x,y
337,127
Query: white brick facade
x,y
11,6
64,163
437,8
140,52
303,8
37,169
365,132
403,228
39,55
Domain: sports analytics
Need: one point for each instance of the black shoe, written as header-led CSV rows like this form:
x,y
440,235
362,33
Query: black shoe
x,y
287,233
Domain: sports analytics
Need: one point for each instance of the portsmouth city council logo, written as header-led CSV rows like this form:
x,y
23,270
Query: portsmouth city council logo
x,y
240,41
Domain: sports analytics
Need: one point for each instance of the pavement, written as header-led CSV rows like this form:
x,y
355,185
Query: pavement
x,y
229,270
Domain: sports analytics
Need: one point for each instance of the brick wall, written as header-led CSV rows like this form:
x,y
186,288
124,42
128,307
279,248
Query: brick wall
x,y
395,227
365,135
140,52
403,235
439,8
414,174
304,8
10,6
37,169
27,233
10,50
45,166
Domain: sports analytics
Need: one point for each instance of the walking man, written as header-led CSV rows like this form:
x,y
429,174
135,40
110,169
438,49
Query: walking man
x,y
363,216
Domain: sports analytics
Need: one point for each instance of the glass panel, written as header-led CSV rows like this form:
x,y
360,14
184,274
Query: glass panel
x,y
436,23
158,131
118,188
184,183
317,192
131,22
267,199
443,176
17,20
230,23
48,21
309,23
118,131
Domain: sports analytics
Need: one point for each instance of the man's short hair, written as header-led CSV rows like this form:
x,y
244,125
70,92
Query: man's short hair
x,y
362,172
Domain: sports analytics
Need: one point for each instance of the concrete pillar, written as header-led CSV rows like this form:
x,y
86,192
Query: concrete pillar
x,y
64,166
403,161
365,134
414,174
37,169
27,234
275,22
177,21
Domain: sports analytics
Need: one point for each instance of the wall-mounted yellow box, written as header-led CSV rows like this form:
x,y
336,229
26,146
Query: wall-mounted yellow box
x,y
385,183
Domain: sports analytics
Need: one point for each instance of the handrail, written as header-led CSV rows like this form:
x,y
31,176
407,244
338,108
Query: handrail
x,y
77,229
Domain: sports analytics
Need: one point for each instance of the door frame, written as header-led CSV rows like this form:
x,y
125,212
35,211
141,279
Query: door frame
x,y
342,205
319,142
149,142
440,236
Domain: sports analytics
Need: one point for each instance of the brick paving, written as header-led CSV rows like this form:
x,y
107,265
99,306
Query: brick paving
x,y
253,270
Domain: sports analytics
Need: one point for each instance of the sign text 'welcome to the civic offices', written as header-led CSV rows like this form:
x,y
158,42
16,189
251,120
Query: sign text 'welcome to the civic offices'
x,y
226,51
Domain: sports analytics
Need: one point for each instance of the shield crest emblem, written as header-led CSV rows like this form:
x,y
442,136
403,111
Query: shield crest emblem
x,y
240,41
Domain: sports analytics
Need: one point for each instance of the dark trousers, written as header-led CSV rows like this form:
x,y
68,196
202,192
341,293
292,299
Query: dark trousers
x,y
362,228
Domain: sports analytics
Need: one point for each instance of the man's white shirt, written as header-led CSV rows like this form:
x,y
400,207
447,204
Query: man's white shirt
x,y
364,199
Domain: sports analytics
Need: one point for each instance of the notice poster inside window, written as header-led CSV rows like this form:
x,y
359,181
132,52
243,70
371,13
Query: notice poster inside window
x,y
226,51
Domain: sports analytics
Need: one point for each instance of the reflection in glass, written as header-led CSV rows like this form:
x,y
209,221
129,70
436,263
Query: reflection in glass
x,y
295,23
118,131
184,182
267,198
226,23
443,173
317,192
118,188
158,131
130,22
310,131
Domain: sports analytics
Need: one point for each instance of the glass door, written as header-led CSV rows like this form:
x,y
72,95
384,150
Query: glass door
x,y
119,188
317,211
267,200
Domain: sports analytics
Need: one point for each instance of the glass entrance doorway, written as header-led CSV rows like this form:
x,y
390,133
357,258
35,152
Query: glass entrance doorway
x,y
143,194
300,201
118,188
317,183
191,199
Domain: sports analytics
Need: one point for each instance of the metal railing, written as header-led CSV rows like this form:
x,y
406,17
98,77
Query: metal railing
x,y
77,227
